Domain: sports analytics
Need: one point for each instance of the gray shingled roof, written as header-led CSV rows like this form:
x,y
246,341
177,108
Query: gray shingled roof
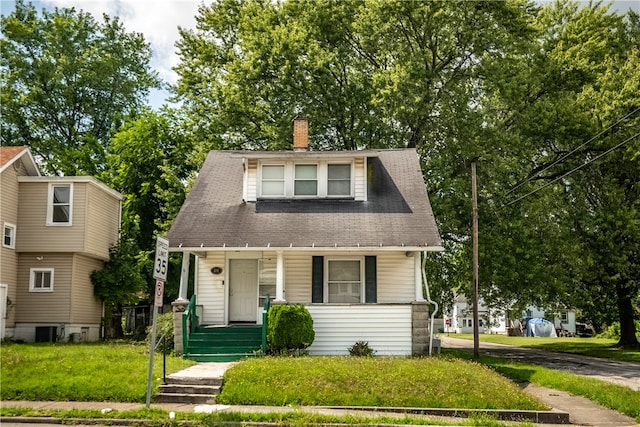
x,y
397,212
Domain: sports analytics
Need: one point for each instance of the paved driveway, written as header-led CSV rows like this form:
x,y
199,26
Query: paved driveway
x,y
621,373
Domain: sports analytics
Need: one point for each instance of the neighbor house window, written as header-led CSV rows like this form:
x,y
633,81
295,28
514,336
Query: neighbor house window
x,y
305,180
344,281
60,204
9,236
564,317
41,280
273,180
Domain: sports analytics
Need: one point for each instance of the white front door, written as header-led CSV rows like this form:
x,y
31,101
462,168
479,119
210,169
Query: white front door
x,y
243,290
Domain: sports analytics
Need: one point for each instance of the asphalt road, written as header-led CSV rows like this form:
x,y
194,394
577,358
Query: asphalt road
x,y
621,373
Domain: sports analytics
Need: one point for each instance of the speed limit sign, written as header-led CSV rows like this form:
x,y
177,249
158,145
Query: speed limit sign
x,y
162,259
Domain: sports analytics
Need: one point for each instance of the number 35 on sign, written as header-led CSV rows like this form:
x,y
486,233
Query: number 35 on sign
x,y
162,259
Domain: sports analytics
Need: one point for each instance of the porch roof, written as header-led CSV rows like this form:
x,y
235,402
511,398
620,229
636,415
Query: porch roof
x,y
396,214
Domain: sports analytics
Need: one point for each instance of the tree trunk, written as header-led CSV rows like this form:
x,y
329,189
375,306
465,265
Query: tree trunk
x,y
627,326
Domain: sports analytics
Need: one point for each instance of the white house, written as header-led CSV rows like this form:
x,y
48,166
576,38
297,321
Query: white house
x,y
342,232
491,321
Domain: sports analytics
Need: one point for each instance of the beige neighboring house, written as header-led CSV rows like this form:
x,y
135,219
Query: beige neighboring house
x,y
56,231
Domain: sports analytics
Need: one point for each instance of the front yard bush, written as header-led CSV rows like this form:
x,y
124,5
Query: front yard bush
x,y
289,329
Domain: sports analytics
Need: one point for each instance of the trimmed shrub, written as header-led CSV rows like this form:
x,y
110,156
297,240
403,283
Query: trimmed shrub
x,y
289,329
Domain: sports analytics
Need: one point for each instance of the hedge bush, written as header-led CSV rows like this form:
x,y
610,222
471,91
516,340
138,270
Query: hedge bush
x,y
289,329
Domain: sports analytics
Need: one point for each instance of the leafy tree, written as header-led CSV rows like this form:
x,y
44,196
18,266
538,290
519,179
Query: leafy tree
x,y
67,81
365,73
119,283
556,107
149,162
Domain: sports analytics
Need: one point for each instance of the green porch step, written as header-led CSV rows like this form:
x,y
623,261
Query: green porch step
x,y
224,343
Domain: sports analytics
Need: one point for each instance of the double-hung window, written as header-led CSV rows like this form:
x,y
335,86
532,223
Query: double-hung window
x,y
9,236
273,182
339,180
305,180
41,280
59,209
344,281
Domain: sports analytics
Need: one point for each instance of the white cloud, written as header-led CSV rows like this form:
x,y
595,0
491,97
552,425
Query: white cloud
x,y
157,20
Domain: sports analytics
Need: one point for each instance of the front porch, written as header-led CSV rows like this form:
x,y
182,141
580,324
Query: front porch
x,y
390,329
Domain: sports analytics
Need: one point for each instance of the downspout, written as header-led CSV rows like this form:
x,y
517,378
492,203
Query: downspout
x,y
429,300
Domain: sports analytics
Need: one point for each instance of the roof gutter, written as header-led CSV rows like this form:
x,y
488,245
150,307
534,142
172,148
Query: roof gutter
x,y
305,248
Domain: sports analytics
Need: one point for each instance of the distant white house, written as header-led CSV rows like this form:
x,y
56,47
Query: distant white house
x,y
459,319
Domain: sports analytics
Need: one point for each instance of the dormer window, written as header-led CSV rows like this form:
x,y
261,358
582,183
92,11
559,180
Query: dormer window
x,y
306,180
273,184
292,179
339,180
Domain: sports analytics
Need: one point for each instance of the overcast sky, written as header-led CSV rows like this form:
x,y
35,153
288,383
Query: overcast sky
x,y
158,20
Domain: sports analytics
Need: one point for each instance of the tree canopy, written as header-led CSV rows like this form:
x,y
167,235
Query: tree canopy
x,y
67,82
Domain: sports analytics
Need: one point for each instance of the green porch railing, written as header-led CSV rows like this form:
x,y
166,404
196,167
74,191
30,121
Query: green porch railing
x,y
189,323
265,315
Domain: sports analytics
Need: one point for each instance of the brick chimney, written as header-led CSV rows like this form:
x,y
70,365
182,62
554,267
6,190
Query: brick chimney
x,y
300,134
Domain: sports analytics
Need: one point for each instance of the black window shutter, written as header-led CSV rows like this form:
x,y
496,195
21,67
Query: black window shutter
x,y
317,279
370,280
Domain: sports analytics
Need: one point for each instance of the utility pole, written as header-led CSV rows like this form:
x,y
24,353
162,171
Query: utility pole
x,y
474,196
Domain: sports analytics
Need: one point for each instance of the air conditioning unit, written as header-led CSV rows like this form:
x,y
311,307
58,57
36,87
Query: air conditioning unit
x,y
46,333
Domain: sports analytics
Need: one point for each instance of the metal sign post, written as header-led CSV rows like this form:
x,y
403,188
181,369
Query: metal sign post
x,y
160,274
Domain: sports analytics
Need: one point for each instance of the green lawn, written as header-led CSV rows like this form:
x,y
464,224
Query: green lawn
x,y
83,372
596,347
425,382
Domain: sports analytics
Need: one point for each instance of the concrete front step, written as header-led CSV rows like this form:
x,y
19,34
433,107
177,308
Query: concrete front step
x,y
184,398
190,390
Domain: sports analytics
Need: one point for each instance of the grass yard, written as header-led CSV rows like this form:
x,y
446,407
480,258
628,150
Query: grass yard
x,y
596,347
442,382
81,372
619,398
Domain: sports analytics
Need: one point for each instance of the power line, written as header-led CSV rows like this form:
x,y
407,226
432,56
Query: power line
x,y
573,170
571,152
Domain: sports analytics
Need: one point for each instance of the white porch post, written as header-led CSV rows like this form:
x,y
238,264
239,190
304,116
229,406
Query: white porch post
x,y
279,277
417,267
184,277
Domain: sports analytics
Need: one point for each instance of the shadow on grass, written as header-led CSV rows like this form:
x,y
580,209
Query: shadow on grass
x,y
516,373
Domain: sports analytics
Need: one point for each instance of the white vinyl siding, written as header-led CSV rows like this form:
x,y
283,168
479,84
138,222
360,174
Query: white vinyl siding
x,y
387,328
360,179
210,288
395,277
297,273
